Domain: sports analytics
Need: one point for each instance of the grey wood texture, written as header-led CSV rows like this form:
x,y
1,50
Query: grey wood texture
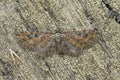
x,y
48,15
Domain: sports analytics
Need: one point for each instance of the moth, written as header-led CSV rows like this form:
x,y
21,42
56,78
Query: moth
x,y
66,43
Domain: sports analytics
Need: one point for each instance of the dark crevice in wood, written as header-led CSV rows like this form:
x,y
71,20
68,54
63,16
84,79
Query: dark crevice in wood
x,y
111,13
29,26
6,70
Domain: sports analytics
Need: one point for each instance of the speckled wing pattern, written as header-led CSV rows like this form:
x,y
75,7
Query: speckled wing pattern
x,y
77,41
71,43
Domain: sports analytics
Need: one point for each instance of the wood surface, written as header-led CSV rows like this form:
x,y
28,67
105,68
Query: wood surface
x,y
50,16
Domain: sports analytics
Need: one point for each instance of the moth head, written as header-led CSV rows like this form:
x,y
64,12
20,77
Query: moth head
x,y
84,33
58,37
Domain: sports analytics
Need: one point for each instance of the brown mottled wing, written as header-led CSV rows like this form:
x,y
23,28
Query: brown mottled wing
x,y
73,43
46,43
70,43
43,42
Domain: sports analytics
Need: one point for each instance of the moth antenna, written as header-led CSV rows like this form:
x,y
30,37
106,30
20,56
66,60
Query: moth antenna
x,y
106,49
91,20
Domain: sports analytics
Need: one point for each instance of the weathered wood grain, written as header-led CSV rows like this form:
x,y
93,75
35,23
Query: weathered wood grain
x,y
50,16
